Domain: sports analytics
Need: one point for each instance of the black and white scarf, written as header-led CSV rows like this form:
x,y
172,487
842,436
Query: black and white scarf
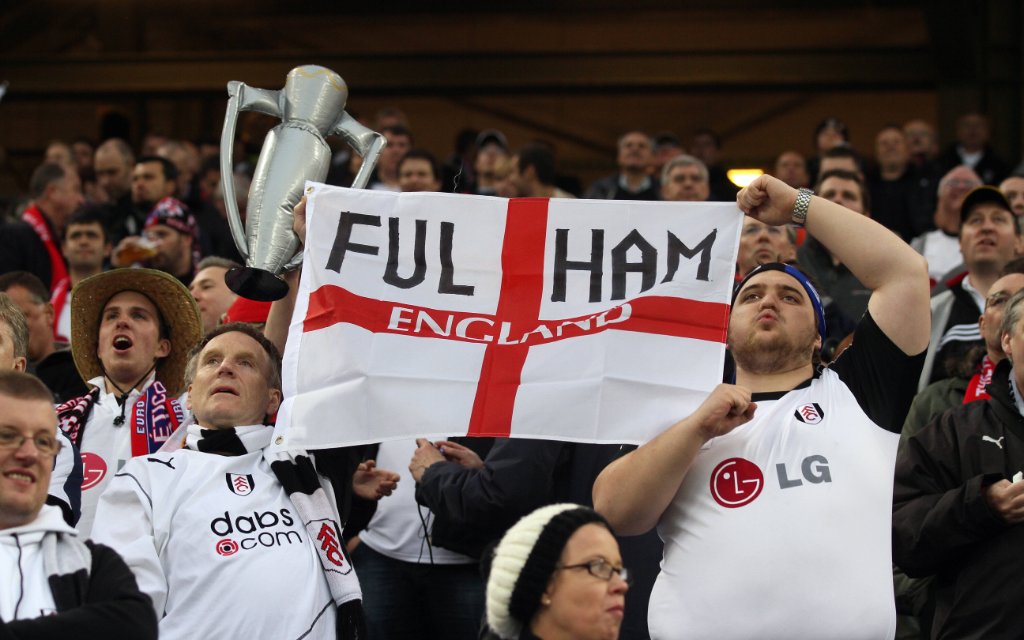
x,y
301,479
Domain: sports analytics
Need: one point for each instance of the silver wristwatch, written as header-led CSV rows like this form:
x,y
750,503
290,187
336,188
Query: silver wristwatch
x,y
803,200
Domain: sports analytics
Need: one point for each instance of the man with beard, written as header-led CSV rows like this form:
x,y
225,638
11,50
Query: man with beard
x,y
780,485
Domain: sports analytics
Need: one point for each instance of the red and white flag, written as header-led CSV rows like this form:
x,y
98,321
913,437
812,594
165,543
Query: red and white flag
x,y
431,315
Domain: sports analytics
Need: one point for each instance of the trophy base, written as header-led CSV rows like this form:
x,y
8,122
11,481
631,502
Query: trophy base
x,y
256,284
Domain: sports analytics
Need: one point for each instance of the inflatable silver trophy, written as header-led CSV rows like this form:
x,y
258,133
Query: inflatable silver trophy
x,y
311,106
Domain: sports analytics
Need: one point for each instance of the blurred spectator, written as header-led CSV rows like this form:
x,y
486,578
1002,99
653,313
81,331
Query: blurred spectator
x,y
82,150
31,244
153,179
58,152
211,293
892,184
840,158
185,157
685,179
50,361
533,173
922,142
86,247
666,147
1013,189
457,172
791,168
941,247
151,143
633,182
418,171
386,172
923,147
706,146
762,243
114,163
491,149
830,133
972,149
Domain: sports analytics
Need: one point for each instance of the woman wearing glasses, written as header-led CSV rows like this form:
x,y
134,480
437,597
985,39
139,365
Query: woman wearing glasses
x,y
557,574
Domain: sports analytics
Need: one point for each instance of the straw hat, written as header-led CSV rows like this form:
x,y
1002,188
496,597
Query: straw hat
x,y
175,304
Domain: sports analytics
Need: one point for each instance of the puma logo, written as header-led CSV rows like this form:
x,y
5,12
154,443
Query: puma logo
x,y
998,443
163,462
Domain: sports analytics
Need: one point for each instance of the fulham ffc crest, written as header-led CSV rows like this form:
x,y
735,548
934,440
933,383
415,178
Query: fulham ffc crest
x,y
239,484
809,413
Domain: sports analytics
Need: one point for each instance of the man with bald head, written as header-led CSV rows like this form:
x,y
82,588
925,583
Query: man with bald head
x,y
941,246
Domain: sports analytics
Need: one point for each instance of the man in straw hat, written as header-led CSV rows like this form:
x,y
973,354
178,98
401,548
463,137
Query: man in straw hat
x,y
131,330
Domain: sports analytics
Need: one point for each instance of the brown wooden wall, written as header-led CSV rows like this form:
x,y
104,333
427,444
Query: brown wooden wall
x,y
574,73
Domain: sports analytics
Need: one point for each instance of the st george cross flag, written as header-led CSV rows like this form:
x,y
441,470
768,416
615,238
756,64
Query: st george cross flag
x,y
431,315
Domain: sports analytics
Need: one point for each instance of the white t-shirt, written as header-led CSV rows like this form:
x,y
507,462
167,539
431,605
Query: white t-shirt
x,y
781,528
396,529
218,546
941,250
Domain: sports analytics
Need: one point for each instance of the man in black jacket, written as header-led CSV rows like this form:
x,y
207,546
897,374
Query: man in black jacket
x,y
58,586
959,503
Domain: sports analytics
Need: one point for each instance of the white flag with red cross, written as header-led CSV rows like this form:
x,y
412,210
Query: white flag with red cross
x,y
431,315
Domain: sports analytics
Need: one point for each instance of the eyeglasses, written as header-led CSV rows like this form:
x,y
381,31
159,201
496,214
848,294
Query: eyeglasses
x,y
601,569
47,445
996,300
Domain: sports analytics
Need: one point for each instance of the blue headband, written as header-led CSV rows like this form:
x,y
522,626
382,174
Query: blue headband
x,y
812,293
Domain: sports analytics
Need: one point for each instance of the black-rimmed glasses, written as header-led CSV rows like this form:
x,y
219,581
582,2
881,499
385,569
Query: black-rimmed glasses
x,y
601,569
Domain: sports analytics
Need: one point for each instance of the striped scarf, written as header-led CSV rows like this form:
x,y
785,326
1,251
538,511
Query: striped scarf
x,y
300,474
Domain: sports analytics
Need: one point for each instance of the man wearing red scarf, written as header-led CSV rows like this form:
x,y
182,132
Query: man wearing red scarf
x,y
33,243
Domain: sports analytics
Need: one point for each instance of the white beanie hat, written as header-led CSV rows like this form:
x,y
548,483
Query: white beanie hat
x,y
524,561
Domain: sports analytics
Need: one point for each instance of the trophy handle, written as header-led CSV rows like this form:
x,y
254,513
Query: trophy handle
x,y
367,143
240,98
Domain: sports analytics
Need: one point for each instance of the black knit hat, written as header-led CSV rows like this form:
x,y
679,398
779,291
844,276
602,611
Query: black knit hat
x,y
524,561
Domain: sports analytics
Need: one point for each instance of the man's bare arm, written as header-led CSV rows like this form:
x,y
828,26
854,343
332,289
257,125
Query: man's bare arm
x,y
635,490
896,274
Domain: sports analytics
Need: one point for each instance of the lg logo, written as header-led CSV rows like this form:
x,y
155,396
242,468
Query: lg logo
x,y
737,482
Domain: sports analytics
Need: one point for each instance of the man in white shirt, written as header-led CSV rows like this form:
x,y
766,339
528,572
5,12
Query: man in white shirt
x,y
131,330
774,497
222,519
56,585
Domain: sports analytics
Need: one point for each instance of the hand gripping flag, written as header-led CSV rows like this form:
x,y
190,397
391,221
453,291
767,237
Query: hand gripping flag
x,y
429,314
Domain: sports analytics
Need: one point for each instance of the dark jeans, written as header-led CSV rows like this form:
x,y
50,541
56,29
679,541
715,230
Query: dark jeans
x,y
406,600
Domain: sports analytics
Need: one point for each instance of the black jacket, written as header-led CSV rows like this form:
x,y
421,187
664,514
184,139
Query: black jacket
x,y
103,603
943,526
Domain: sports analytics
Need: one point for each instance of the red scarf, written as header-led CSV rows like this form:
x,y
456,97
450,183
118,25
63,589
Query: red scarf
x,y
58,272
58,299
976,387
